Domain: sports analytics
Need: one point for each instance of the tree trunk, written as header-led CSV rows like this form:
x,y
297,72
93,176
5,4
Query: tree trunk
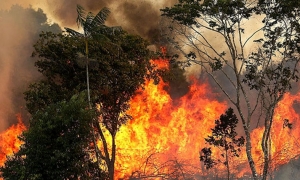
x,y
249,155
265,148
111,167
265,144
227,165
87,74
105,147
248,143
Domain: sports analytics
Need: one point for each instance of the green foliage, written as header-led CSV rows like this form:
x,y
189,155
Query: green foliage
x,y
118,67
89,21
279,8
93,25
107,61
275,80
44,93
223,136
186,12
281,38
57,144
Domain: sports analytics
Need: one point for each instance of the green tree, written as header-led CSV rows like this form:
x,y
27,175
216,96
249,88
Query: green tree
x,y
91,24
223,136
216,35
119,63
57,144
94,28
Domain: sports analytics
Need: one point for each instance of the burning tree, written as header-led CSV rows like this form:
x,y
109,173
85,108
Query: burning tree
x,y
254,81
224,137
118,65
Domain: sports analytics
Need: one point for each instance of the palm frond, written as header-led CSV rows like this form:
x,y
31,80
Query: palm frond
x,y
89,17
115,29
101,16
88,25
81,18
73,32
109,30
100,37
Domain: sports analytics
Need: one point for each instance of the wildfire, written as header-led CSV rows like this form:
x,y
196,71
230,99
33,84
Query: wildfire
x,y
166,133
170,128
165,136
9,142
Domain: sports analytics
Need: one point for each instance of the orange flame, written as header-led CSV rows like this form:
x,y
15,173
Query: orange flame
x,y
164,129
162,62
171,128
9,142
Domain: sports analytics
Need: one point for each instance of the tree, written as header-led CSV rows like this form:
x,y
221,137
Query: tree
x,y
93,27
57,144
267,72
91,24
223,136
119,65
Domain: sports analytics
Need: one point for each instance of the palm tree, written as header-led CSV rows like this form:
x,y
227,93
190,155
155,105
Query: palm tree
x,y
90,23
93,25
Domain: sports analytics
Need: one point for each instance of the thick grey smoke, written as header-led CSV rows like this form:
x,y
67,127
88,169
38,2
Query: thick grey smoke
x,y
288,171
19,30
140,17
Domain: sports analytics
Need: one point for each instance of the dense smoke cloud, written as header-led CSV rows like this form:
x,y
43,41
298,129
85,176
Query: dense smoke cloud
x,y
140,17
19,30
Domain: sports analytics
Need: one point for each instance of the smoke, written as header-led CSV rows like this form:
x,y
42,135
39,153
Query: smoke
x,y
140,17
20,29
289,171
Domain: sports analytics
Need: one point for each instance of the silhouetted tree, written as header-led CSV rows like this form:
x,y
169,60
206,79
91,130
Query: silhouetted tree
x,y
225,138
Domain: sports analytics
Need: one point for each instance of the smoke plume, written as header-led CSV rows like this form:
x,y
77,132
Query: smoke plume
x,y
135,16
20,29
